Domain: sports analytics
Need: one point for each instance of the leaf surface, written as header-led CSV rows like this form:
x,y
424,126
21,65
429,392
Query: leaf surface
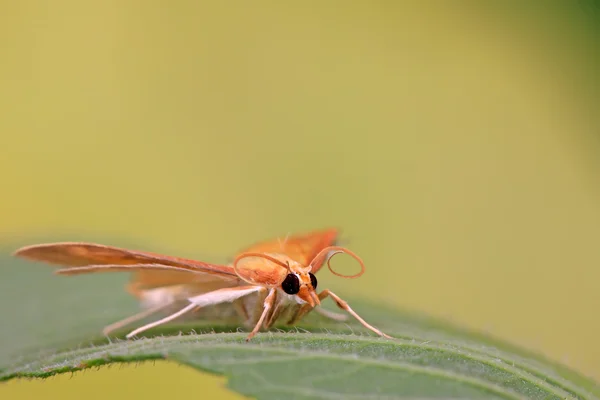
x,y
51,325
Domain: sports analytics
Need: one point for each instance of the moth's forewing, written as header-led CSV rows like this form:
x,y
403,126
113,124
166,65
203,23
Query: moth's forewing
x,y
72,254
80,254
143,280
302,248
152,287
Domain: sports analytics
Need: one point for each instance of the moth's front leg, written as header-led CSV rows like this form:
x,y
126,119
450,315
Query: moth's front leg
x,y
278,309
331,315
305,309
267,306
344,306
301,312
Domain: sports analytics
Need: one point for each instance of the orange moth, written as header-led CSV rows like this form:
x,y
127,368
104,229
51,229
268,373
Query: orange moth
x,y
266,282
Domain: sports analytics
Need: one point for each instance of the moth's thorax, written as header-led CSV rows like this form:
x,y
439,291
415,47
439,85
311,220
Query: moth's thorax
x,y
300,270
295,266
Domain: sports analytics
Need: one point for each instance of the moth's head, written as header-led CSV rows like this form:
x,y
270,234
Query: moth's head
x,y
282,272
300,281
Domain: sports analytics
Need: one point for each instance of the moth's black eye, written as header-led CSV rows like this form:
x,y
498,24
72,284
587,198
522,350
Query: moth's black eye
x,y
291,284
313,280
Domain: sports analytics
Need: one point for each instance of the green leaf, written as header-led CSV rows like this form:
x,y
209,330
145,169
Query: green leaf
x,y
51,325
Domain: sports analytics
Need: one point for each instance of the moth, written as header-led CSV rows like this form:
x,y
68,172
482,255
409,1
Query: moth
x,y
266,282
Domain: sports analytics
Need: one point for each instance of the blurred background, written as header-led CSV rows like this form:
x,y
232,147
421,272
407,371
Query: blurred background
x,y
456,145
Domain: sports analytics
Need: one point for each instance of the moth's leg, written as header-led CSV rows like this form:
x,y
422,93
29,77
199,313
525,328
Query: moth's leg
x,y
298,313
331,315
226,295
171,317
274,316
258,307
301,312
344,306
126,321
267,305
305,309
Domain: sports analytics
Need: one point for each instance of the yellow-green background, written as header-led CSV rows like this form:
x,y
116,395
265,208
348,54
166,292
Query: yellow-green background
x,y
455,145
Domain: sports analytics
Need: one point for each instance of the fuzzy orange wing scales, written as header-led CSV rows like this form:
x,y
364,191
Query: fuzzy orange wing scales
x,y
260,270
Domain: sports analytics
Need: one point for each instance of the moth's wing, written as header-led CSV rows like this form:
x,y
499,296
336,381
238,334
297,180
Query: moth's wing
x,y
261,269
153,279
154,295
74,254
301,247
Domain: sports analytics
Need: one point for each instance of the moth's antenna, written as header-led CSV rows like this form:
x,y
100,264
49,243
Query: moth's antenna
x,y
324,254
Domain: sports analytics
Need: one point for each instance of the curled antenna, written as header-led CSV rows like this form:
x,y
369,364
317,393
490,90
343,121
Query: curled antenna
x,y
324,254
